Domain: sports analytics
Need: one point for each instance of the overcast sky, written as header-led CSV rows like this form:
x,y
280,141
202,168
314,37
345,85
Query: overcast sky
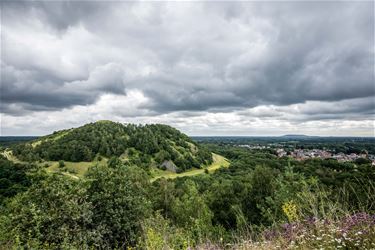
x,y
207,68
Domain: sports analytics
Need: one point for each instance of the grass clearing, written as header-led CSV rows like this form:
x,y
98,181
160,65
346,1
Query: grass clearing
x,y
9,155
218,162
77,169
73,169
53,138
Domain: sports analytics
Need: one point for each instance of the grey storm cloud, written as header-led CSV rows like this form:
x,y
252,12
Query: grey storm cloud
x,y
185,56
35,92
355,109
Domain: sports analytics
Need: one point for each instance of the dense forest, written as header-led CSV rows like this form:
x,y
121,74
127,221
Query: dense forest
x,y
259,202
141,145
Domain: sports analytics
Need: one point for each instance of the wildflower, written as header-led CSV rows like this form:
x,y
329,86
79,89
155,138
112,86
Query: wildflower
x,y
290,209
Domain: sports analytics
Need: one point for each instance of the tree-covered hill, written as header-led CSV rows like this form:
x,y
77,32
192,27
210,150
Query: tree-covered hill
x,y
154,144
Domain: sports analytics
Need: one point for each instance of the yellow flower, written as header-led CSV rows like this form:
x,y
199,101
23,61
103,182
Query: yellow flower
x,y
291,211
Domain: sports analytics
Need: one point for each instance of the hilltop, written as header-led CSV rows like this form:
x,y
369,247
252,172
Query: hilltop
x,y
153,144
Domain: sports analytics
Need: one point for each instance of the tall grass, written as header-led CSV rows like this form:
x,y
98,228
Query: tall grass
x,y
318,219
327,220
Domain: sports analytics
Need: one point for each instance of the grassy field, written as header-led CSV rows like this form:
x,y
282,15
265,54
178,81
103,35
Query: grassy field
x,y
219,162
77,169
9,155
74,169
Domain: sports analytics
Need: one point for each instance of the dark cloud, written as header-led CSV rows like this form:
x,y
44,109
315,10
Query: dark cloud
x,y
350,109
29,91
59,15
188,56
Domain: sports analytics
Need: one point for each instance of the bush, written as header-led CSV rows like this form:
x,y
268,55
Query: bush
x,y
51,214
119,196
160,233
61,164
60,212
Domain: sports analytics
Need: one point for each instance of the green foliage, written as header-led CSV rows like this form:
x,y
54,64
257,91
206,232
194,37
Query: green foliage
x,y
105,210
288,186
191,212
223,195
61,164
117,206
144,145
114,162
251,193
13,178
119,198
50,214
160,233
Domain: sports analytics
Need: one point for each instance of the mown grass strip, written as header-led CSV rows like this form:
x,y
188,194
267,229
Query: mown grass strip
x,y
218,162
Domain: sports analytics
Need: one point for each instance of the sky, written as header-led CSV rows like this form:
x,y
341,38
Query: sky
x,y
206,68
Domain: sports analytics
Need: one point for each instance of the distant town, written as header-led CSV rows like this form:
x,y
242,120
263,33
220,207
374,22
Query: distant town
x,y
304,154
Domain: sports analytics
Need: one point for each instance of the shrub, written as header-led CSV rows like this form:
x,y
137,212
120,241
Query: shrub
x,y
61,164
159,233
119,196
51,214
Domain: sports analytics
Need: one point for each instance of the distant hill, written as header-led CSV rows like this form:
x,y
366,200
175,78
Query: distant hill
x,y
9,140
153,144
297,136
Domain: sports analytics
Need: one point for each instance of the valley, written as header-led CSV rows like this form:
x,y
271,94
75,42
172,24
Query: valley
x,y
187,125
104,182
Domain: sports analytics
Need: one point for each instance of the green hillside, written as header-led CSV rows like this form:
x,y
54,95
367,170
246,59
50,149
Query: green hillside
x,y
218,162
244,199
144,145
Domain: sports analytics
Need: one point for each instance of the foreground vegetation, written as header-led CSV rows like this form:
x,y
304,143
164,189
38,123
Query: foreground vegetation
x,y
258,202
105,185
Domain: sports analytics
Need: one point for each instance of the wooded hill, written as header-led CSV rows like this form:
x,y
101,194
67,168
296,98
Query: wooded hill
x,y
155,144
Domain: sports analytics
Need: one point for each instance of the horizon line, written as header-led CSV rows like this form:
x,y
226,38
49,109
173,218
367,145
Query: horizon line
x,y
284,135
